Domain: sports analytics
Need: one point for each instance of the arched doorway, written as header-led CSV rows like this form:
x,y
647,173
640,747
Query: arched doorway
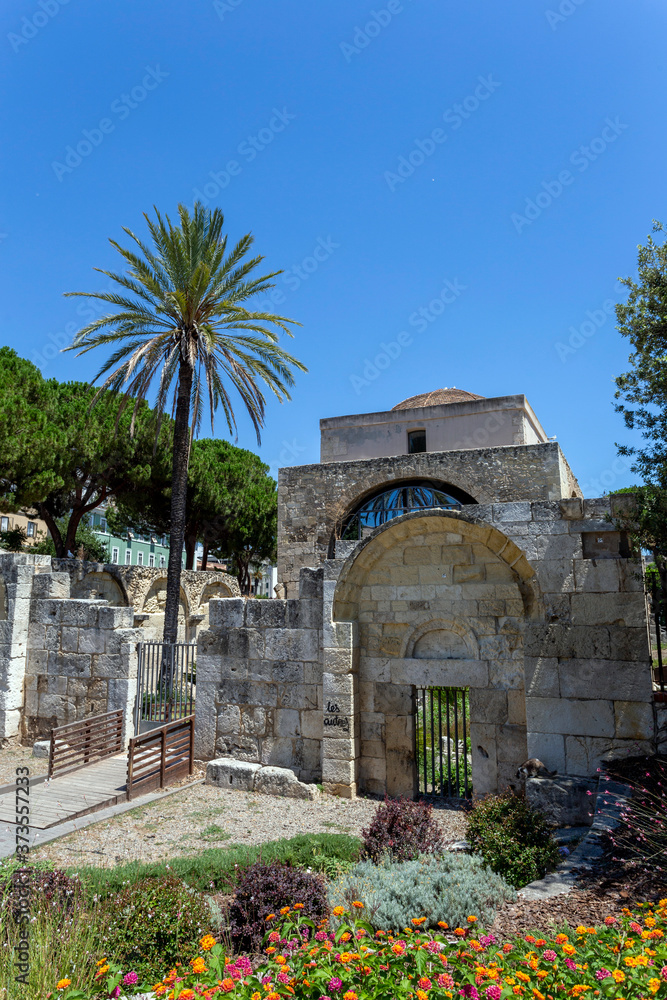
x,y
433,600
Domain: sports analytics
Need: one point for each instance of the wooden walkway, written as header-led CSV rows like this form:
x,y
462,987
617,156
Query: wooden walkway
x,y
71,795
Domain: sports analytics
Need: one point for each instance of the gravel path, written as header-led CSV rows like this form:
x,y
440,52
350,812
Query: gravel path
x,y
205,816
13,756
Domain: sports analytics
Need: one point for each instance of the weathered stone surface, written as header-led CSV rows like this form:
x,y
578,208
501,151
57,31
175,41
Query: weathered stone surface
x,y
282,781
228,773
564,801
41,748
563,715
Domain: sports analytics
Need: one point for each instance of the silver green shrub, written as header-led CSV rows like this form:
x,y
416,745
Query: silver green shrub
x,y
449,887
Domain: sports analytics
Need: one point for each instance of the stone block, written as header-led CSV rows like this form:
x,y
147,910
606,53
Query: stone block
x,y
277,752
563,715
69,639
608,609
516,707
511,512
287,723
372,726
400,733
439,673
226,612
310,584
246,693
52,636
555,575
338,661
256,721
372,748
484,759
634,720
628,643
228,773
572,509
468,574
47,612
292,644
284,672
69,664
312,725
91,640
613,679
265,614
284,782
393,699
303,614
338,749
339,772
563,801
597,576
229,720
10,721
488,706
115,617
511,746
549,748
584,754
42,749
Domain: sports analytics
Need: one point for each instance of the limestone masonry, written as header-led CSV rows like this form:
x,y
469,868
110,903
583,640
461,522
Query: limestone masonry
x,y
442,544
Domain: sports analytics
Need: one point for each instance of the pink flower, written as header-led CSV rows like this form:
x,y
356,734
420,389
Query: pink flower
x,y
434,947
637,928
445,981
274,936
602,974
570,964
493,992
283,977
130,979
663,972
321,936
549,955
469,991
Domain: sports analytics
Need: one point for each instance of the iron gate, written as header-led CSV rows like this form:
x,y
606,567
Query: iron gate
x,y
165,683
443,743
659,611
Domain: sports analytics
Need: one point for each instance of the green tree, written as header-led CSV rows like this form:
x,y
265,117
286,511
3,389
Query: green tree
x,y
251,535
13,539
642,390
88,545
58,462
183,323
222,480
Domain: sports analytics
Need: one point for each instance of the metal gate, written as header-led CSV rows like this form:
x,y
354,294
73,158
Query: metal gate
x,y
659,612
443,743
165,683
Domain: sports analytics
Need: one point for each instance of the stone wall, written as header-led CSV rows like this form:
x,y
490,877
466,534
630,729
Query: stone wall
x,y
145,589
259,682
312,499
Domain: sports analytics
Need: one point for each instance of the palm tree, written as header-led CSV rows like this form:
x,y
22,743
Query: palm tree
x,y
183,323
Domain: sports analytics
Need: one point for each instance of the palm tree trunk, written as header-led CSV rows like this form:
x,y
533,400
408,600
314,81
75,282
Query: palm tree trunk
x,y
204,557
179,485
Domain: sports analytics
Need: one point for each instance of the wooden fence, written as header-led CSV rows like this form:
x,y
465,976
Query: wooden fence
x,y
161,756
81,743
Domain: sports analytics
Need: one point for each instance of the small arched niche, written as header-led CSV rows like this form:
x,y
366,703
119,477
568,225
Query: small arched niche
x,y
440,644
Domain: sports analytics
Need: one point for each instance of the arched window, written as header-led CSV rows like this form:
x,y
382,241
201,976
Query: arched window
x,y
402,498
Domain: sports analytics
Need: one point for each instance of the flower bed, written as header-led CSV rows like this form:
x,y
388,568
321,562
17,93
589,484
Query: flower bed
x,y
625,959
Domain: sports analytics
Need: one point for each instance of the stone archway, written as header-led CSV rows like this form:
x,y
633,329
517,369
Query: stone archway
x,y
100,585
154,605
436,600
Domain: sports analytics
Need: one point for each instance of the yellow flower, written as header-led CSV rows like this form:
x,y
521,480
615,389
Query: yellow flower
x,y
472,920
569,949
345,957
338,911
198,965
538,995
102,961
654,985
522,977
281,960
357,904
103,970
256,996
186,994
63,984
618,976
207,942
284,911
422,995
580,929
418,920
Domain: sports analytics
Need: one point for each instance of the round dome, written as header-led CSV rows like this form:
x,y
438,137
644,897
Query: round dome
x,y
437,398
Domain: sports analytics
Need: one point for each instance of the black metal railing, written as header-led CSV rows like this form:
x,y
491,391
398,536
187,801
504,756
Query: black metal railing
x,y
443,743
165,683
659,612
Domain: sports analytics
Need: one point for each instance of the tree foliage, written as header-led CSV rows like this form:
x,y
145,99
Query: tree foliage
x,y
231,506
59,460
642,390
184,323
87,544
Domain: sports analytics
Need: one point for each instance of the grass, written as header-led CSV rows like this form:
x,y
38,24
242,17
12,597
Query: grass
x,y
217,868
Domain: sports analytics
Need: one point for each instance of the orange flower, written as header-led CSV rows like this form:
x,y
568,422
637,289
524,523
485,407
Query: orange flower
x,y
522,976
227,985
459,932
422,995
569,949
63,984
417,921
271,916
346,936
472,920
350,995
345,957
397,949
206,943
443,924
198,965
186,994
338,911
281,960
561,938
284,910
357,904
298,906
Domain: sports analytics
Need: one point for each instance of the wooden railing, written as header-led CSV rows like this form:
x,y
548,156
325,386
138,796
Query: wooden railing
x,y
160,756
81,743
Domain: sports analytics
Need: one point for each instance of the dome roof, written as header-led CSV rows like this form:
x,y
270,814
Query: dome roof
x,y
437,398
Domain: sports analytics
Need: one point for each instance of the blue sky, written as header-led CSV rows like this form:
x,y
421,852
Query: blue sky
x,y
473,176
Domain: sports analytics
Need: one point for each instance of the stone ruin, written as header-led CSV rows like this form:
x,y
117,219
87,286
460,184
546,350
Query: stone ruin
x,y
473,565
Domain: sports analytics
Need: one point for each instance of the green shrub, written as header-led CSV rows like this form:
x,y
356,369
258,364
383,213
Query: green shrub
x,y
219,867
156,922
514,839
451,887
